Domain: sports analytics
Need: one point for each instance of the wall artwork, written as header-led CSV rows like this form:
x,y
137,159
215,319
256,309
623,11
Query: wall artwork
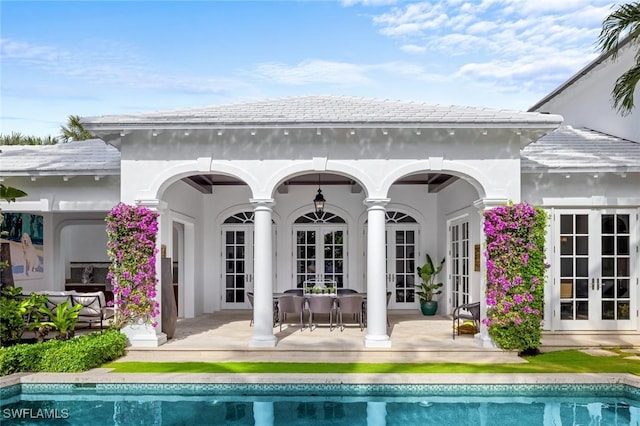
x,y
24,233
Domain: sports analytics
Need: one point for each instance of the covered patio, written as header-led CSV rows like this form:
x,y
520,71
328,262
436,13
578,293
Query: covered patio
x,y
223,337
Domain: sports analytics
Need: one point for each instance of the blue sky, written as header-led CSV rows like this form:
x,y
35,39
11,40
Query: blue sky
x,y
88,58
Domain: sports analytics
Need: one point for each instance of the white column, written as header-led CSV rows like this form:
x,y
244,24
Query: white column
x,y
144,335
482,338
376,283
263,276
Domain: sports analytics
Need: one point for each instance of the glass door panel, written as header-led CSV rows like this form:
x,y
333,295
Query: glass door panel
x,y
320,258
459,263
402,248
334,257
237,267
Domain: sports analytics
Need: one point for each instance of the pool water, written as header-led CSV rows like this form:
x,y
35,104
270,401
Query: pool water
x,y
286,404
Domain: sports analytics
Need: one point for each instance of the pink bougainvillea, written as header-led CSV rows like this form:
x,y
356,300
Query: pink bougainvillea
x,y
515,236
131,246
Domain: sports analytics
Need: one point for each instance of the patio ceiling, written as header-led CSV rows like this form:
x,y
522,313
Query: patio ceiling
x,y
204,183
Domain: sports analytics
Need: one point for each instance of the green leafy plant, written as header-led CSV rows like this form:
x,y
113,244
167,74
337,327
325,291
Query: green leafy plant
x,y
428,288
80,354
63,320
17,312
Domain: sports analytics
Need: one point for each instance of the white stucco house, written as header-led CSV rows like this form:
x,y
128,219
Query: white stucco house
x,y
234,186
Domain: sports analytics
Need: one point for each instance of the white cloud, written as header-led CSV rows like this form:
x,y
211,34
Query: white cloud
x,y
413,48
108,64
317,71
348,3
312,72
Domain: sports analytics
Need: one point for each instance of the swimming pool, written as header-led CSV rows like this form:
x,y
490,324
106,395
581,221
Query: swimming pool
x,y
320,404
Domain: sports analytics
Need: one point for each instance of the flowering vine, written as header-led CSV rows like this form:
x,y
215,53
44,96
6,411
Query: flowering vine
x,y
131,246
515,237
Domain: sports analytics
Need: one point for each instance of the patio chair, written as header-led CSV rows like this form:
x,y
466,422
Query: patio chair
x,y
321,305
290,304
275,309
94,308
343,291
466,312
295,291
350,305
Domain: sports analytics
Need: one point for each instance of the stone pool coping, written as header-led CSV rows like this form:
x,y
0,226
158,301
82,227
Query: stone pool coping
x,y
104,376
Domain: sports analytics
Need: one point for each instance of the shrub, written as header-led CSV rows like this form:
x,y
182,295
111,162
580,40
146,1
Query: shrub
x,y
55,356
515,275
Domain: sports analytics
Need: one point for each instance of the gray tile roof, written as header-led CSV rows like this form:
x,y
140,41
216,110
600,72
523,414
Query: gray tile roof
x,y
90,157
570,149
337,111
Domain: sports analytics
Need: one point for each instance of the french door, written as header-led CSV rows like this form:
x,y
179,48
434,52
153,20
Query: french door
x,y
320,254
237,255
402,251
459,262
597,275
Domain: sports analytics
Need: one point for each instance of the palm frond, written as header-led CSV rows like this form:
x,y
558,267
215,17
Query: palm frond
x,y
624,89
624,20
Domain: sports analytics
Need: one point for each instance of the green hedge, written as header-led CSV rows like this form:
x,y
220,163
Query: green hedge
x,y
56,356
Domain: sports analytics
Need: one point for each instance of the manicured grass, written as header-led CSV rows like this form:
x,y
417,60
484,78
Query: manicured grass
x,y
572,361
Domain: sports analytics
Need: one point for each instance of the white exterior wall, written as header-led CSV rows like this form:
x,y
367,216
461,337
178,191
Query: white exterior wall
x,y
587,102
457,203
81,200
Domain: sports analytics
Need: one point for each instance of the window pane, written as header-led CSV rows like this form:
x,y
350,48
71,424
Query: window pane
x,y
582,310
623,267
582,246
623,224
582,289
566,267
240,237
566,245
623,310
608,224
608,245
582,224
623,245
399,237
410,237
623,289
566,310
608,312
229,237
566,224
608,289
582,267
607,267
399,266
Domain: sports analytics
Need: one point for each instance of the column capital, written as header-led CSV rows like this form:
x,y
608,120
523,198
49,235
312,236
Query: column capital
x,y
153,204
489,203
376,203
262,203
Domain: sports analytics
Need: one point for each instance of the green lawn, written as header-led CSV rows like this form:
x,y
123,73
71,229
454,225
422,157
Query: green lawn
x,y
572,361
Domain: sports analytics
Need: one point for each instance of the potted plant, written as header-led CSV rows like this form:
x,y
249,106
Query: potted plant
x,y
428,288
